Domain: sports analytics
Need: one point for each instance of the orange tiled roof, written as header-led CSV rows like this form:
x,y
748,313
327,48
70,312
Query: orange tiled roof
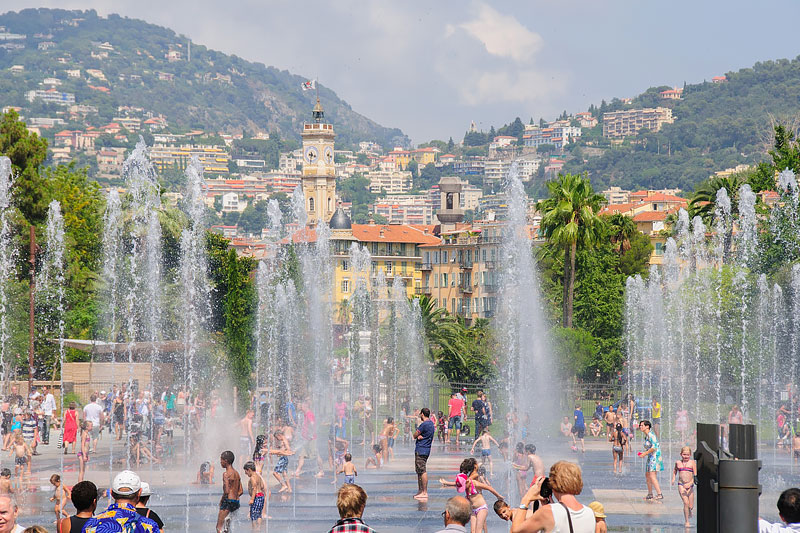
x,y
619,208
391,233
661,197
650,216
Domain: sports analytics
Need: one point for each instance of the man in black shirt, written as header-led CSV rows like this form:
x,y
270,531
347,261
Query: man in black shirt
x,y
142,509
84,498
479,408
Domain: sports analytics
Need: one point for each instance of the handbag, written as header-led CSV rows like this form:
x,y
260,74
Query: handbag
x,y
60,440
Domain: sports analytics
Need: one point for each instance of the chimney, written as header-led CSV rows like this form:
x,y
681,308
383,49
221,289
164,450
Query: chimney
x,y
371,221
382,229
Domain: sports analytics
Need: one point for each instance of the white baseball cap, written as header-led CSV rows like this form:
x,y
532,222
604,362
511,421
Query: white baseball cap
x,y
126,483
145,489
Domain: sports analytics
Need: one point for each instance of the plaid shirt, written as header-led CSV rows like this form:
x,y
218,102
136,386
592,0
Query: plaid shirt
x,y
351,525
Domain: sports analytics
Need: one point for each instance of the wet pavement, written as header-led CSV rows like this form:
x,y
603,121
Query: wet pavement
x,y
390,508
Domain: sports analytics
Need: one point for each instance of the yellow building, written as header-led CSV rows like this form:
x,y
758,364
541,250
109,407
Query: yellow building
x,y
319,170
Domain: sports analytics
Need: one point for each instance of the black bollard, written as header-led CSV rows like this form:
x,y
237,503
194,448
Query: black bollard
x,y
738,492
707,457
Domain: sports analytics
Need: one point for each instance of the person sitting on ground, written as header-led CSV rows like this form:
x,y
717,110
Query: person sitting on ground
x,y
84,498
351,500
142,509
595,427
374,461
788,510
205,476
567,515
456,515
121,516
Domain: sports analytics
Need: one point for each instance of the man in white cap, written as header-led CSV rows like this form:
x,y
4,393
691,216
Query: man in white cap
x,y
142,509
121,516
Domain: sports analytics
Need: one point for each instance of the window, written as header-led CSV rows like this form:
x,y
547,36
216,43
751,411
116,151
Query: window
x,y
388,267
444,256
436,281
374,266
436,257
374,248
659,248
402,248
427,258
483,253
493,253
453,306
345,265
444,279
345,285
329,204
311,205
402,267
389,248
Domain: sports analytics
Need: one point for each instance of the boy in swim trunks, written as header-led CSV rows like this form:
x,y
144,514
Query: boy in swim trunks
x,y
255,488
485,440
348,469
231,489
22,456
283,451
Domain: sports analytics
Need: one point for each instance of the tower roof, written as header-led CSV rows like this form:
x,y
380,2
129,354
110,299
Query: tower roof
x,y
318,113
340,220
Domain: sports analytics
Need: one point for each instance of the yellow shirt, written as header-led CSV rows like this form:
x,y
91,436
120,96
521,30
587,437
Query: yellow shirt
x,y
657,410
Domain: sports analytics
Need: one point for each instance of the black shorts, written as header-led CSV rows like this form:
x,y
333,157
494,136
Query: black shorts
x,y
579,431
420,463
229,505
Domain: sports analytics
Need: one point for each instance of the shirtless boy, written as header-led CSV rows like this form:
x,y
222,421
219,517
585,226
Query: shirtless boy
x,y
231,489
348,469
22,455
255,488
5,482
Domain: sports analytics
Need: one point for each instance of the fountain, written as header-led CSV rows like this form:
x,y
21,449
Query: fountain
x,y
7,266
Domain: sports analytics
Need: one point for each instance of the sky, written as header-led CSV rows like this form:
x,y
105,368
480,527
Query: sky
x,y
430,68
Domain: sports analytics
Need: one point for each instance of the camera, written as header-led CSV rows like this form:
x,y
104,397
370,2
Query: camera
x,y
546,490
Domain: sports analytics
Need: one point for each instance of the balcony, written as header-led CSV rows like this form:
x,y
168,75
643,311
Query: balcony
x,y
490,265
425,266
465,265
488,314
465,287
490,288
422,290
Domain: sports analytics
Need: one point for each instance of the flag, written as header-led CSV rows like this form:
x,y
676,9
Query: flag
x,y
309,85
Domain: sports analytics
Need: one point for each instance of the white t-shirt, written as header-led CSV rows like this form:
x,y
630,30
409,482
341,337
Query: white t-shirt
x,y
18,529
92,413
49,404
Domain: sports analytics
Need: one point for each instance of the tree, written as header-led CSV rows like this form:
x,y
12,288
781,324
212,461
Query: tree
x,y
27,152
636,259
238,305
569,220
704,199
621,228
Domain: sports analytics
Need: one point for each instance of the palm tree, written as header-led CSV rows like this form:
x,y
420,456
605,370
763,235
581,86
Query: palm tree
x,y
621,228
569,219
704,200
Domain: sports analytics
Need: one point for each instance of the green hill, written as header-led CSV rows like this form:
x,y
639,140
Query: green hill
x,y
212,91
717,126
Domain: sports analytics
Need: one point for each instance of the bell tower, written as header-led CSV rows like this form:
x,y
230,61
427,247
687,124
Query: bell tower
x,y
319,171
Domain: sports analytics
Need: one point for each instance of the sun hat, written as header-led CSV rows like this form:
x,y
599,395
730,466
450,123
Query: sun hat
x,y
599,511
126,483
145,489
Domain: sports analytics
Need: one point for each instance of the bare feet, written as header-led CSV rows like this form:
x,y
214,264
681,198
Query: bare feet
x,y
423,496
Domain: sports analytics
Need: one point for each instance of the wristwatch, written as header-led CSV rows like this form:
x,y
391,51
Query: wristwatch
x,y
523,507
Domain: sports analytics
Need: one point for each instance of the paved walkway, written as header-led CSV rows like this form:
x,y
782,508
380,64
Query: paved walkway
x,y
390,508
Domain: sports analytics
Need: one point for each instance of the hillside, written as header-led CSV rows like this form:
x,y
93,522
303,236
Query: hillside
x,y
717,126
147,66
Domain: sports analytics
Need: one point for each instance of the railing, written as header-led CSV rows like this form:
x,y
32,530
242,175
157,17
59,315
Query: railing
x,y
422,290
490,288
465,287
464,264
426,266
490,265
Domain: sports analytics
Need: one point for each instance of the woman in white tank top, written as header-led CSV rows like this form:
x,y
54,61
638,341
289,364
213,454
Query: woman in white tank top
x,y
568,515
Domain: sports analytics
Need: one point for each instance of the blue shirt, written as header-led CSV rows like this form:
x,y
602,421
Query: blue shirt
x,y
120,518
426,431
579,422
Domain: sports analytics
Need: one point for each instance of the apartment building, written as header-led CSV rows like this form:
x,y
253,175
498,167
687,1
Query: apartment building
x,y
389,181
213,158
405,208
558,133
50,96
632,121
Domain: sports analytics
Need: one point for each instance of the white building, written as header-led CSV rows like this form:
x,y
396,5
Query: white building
x,y
50,96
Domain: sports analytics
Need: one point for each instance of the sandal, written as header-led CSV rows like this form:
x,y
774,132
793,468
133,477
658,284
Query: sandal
x,y
649,497
660,496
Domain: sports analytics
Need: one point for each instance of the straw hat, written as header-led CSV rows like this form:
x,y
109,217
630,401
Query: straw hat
x,y
599,511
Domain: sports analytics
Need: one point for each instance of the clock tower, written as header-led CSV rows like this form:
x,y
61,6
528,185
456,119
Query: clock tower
x,y
319,172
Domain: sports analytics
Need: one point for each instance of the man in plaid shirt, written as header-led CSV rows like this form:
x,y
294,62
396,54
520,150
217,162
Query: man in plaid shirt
x,y
351,500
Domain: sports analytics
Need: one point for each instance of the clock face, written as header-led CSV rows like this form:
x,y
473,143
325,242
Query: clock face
x,y
329,154
311,154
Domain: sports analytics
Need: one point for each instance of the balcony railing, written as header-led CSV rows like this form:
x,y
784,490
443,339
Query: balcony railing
x,y
465,287
425,266
490,288
464,264
490,265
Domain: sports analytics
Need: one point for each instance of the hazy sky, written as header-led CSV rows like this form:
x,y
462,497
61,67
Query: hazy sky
x,y
429,67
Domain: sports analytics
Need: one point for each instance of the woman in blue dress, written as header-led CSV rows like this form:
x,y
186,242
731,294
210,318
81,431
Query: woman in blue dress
x,y
653,461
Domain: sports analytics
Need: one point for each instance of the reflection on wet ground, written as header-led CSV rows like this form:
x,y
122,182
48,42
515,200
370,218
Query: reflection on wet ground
x,y
390,508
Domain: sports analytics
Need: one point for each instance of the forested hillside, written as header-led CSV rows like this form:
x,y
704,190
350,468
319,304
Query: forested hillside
x,y
212,91
717,126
